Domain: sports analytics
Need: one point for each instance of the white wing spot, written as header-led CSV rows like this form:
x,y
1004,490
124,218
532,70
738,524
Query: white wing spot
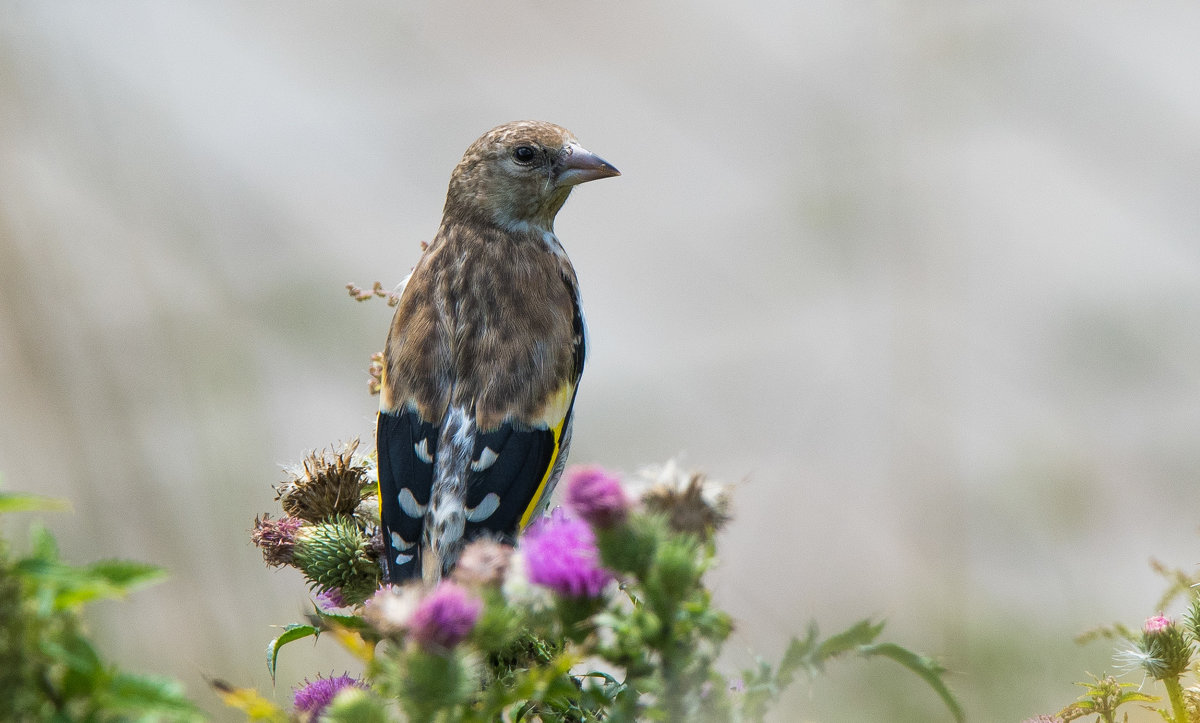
x,y
488,505
421,449
409,504
486,459
401,559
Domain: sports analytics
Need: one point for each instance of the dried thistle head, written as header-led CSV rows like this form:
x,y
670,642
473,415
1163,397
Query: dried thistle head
x,y
690,501
326,485
276,538
391,607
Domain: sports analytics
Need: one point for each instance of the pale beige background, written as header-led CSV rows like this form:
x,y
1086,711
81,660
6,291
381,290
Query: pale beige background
x,y
925,275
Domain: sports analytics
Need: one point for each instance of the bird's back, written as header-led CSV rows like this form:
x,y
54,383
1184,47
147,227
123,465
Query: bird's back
x,y
483,358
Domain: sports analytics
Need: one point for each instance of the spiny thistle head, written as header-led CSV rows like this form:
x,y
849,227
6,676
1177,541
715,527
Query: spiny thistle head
x,y
1163,650
313,697
336,554
326,485
276,538
676,568
597,496
690,501
444,618
436,620
560,553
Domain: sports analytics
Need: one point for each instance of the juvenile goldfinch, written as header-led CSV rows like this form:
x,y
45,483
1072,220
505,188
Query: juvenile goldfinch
x,y
484,354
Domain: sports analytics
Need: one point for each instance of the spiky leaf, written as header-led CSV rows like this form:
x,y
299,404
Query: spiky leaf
x,y
296,631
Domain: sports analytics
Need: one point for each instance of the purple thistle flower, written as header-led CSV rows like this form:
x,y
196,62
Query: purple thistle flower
x,y
314,697
596,496
444,617
561,554
1157,624
330,599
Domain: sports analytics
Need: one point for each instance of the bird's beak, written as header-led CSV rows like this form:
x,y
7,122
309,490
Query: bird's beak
x,y
579,165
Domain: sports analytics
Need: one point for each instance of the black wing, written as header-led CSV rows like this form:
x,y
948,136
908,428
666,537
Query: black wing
x,y
406,447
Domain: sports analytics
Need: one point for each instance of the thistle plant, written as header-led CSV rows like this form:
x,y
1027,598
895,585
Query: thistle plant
x,y
597,612
329,506
1163,651
50,670
1102,698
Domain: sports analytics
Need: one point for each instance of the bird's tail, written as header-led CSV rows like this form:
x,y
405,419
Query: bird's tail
x,y
446,517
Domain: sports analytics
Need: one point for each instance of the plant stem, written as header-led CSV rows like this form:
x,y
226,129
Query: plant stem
x,y
1175,694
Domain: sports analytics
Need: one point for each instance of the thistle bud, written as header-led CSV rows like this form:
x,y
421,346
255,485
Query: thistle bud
x,y
335,554
1164,650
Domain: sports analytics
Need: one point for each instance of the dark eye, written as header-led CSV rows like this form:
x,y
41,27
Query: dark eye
x,y
524,154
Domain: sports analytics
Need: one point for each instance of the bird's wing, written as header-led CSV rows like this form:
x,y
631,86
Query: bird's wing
x,y
406,446
407,429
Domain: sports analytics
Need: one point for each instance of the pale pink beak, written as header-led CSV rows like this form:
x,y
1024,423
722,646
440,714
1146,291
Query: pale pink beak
x,y
579,165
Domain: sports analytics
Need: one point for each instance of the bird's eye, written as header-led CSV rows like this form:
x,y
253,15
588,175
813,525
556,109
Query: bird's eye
x,y
524,154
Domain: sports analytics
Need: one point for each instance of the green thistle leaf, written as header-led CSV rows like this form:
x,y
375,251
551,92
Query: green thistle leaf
x,y
152,697
928,669
295,631
861,633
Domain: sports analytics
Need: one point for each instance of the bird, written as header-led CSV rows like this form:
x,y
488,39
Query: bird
x,y
484,355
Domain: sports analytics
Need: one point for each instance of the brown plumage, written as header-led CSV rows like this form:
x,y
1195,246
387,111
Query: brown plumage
x,y
486,317
484,353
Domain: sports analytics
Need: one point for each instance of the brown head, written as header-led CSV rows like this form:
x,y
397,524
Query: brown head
x,y
519,174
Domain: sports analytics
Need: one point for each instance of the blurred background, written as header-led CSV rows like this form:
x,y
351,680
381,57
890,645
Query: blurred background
x,y
921,278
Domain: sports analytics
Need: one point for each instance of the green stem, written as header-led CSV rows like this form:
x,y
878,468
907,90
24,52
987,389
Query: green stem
x,y
1175,693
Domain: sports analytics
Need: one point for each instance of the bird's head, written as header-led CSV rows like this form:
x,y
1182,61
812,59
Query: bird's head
x,y
519,174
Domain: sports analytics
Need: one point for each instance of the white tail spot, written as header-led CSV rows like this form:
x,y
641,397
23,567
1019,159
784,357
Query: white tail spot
x,y
488,505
